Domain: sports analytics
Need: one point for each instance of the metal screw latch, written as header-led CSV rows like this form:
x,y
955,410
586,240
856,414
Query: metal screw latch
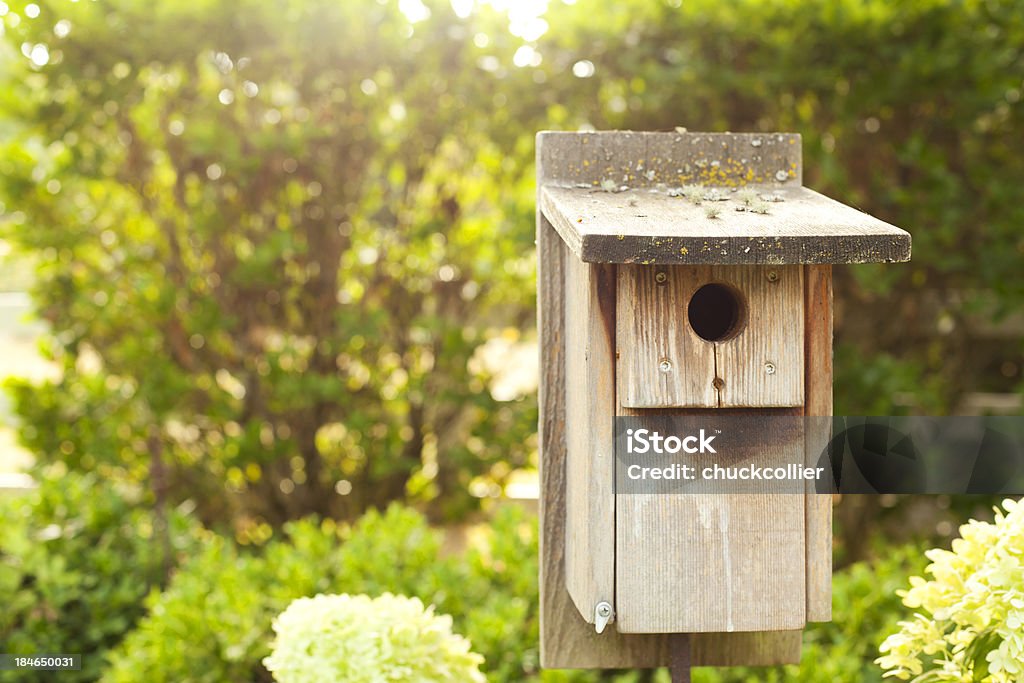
x,y
603,614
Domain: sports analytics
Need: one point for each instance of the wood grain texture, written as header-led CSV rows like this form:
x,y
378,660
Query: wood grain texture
x,y
567,641
649,159
651,227
818,344
590,413
654,329
713,562
765,648
651,330
773,334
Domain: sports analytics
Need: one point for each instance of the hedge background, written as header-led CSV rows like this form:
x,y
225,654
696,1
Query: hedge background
x,y
285,249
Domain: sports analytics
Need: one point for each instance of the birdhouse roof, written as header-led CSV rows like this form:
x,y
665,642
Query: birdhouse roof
x,y
699,198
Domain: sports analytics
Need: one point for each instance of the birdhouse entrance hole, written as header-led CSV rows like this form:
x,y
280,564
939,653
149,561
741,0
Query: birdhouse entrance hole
x,y
717,312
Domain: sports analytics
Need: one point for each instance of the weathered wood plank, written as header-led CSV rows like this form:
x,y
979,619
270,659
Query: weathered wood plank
x,y
649,159
763,365
566,640
612,160
651,227
590,413
723,562
662,363
710,563
767,648
818,507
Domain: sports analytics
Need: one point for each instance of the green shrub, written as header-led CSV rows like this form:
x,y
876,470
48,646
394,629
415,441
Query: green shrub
x,y
77,557
269,237
357,639
969,623
213,623
289,297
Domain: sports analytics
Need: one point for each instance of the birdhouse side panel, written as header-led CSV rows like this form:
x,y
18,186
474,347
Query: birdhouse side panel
x,y
590,412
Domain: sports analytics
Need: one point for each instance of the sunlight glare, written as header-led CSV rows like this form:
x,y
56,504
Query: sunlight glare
x,y
525,17
414,10
462,8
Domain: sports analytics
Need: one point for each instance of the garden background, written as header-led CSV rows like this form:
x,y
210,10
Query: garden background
x,y
281,265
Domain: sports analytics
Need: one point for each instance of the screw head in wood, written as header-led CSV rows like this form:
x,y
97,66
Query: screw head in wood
x,y
769,368
603,614
665,365
661,277
773,276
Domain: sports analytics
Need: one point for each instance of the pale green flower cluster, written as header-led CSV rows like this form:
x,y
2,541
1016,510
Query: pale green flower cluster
x,y
970,623
358,639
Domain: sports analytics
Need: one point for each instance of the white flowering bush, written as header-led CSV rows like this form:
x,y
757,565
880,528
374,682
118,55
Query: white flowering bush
x,y
358,639
970,621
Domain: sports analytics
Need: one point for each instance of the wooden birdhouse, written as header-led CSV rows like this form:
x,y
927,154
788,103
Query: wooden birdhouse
x,y
683,273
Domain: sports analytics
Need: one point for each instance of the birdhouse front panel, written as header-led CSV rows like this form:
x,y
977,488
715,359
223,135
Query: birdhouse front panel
x,y
716,337
710,336
718,563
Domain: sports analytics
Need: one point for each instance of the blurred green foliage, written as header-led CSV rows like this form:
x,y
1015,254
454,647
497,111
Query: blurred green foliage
x,y
281,244
359,639
275,239
271,237
213,623
77,557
